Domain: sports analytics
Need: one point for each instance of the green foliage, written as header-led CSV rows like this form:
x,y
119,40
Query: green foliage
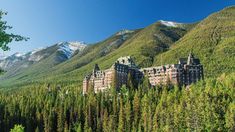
x,y
212,40
6,38
103,53
17,128
205,106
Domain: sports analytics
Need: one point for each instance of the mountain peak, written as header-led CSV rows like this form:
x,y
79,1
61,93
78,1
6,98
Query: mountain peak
x,y
169,23
68,48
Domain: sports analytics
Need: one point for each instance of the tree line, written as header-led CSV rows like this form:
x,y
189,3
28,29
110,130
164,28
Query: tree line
x,y
206,106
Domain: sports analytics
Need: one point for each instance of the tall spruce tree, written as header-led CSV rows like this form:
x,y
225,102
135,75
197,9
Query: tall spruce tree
x,y
136,109
121,118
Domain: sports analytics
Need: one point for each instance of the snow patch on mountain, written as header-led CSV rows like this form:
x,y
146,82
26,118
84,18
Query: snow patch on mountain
x,y
23,60
11,60
36,50
169,23
18,55
123,32
68,48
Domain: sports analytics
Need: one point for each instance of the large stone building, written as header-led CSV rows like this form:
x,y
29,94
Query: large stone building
x,y
116,76
186,72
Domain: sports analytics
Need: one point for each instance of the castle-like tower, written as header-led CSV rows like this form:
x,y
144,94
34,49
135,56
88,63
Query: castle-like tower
x,y
187,71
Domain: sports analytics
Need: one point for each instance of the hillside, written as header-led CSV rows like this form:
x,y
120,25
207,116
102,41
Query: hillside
x,y
55,55
207,106
212,40
142,44
43,59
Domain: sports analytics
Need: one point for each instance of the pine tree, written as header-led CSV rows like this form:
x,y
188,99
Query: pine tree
x,y
86,125
144,113
46,122
121,119
105,122
60,120
66,127
17,128
79,128
37,130
128,116
146,84
156,120
230,118
112,123
136,109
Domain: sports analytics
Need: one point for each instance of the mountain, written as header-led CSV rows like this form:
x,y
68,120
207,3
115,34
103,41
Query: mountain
x,y
2,56
7,62
212,40
143,44
163,42
60,52
64,51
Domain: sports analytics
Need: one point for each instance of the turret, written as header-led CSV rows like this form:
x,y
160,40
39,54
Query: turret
x,y
190,58
96,68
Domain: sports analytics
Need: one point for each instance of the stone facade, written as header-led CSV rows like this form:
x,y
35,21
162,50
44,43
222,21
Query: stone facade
x,y
116,76
187,71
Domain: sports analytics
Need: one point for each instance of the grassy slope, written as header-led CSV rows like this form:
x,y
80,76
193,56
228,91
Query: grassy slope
x,y
212,40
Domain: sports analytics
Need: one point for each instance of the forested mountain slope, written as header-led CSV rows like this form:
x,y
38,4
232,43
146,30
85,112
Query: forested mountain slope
x,y
212,40
142,44
207,106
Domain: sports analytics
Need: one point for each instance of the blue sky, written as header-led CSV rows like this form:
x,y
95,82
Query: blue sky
x,y
47,22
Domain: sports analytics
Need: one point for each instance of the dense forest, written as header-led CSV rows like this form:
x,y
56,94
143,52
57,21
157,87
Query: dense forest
x,y
205,106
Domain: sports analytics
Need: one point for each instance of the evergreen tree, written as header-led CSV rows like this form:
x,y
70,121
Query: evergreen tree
x,y
145,113
121,119
60,120
146,84
79,128
128,116
156,120
136,109
17,128
106,122
230,117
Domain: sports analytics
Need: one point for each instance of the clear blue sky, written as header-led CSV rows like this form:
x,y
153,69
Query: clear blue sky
x,y
50,21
